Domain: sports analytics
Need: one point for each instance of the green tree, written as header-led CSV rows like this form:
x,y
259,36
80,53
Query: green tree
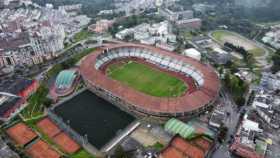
x,y
120,153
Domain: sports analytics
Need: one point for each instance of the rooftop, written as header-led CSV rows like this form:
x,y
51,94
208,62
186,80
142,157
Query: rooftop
x,y
16,86
7,101
65,79
187,131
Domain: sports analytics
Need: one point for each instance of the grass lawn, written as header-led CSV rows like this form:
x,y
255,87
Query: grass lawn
x,y
82,154
36,103
82,35
158,146
218,35
146,79
257,52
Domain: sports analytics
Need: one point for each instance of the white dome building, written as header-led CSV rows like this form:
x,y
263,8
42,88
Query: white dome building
x,y
193,53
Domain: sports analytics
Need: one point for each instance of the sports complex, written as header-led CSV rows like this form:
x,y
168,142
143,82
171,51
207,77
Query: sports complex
x,y
150,82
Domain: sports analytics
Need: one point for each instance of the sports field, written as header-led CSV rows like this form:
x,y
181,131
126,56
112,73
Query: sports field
x,y
238,40
146,79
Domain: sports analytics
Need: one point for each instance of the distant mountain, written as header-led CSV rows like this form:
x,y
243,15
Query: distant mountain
x,y
253,3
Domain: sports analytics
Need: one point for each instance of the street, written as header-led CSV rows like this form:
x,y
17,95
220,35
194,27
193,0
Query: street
x,y
231,121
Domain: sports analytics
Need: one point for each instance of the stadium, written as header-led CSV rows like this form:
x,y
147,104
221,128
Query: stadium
x,y
176,86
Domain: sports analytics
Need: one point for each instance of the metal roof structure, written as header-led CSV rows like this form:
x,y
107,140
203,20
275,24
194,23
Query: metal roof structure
x,y
65,79
187,131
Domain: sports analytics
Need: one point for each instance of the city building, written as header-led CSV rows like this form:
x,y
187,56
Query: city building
x,y
175,16
101,26
267,107
217,118
219,56
13,100
6,151
32,35
71,8
7,102
249,141
158,34
270,81
273,37
194,23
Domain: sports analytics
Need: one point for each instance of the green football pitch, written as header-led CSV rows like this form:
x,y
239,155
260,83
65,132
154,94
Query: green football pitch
x,y
147,79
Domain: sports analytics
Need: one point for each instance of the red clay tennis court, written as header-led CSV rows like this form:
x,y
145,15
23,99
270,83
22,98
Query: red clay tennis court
x,y
21,134
48,127
203,143
66,143
181,148
42,150
187,148
171,152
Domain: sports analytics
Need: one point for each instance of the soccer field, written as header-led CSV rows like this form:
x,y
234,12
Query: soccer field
x,y
147,79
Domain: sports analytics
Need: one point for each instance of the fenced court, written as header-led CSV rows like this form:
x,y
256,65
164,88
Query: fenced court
x,y
66,143
41,149
21,134
48,127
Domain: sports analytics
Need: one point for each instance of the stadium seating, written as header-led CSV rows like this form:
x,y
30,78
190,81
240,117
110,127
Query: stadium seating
x,y
154,58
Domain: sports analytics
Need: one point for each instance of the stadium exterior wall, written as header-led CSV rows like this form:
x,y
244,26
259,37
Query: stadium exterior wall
x,y
143,114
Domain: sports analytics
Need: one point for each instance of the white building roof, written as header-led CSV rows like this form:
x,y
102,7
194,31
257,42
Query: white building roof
x,y
250,125
220,51
193,53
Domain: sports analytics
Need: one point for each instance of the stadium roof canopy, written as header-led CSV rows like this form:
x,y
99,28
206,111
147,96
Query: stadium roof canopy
x,y
187,131
65,79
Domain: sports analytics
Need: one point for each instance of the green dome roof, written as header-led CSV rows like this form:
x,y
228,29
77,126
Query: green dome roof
x,y
65,79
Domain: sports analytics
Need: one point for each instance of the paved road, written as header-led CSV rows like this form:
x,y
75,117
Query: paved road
x,y
231,121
